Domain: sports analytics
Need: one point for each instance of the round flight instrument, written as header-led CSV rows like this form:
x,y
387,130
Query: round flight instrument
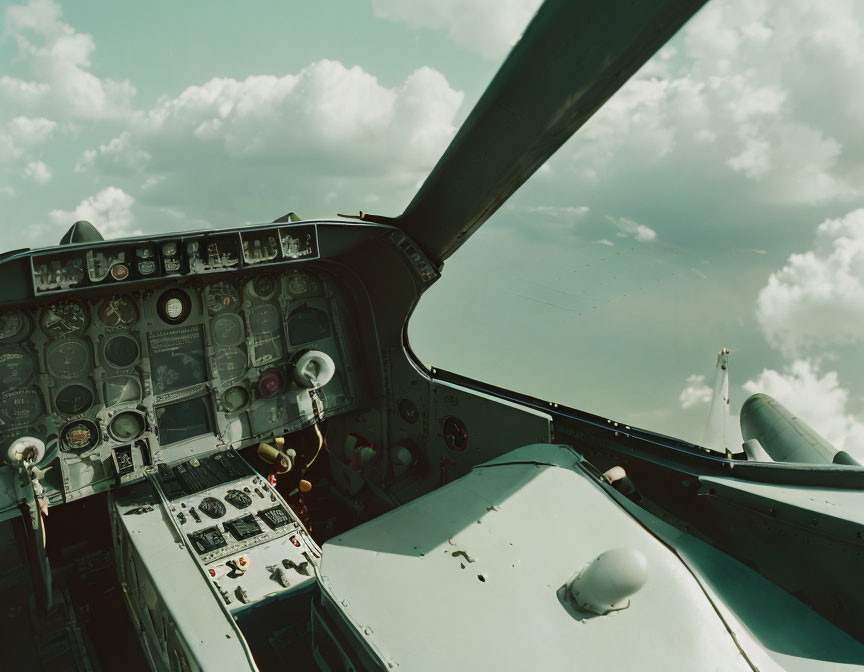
x,y
263,287
122,388
227,329
121,351
235,398
127,425
14,326
79,436
307,324
222,297
16,367
270,384
264,319
67,359
174,306
64,318
230,362
20,407
302,284
73,399
118,311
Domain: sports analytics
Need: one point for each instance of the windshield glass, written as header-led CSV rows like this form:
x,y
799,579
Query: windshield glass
x,y
714,202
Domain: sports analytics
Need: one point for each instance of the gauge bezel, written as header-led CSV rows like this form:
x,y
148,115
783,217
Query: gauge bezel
x,y
224,318
40,409
15,348
55,335
113,433
95,436
242,406
23,332
119,324
185,301
114,365
76,412
56,345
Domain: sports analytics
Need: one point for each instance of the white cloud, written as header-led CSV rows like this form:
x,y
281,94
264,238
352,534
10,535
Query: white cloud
x,y
695,393
489,27
817,298
110,211
21,133
58,59
744,95
604,241
39,172
640,232
818,399
328,128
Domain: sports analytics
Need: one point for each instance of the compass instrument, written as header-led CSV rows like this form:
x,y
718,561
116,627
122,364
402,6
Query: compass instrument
x,y
67,359
118,311
64,318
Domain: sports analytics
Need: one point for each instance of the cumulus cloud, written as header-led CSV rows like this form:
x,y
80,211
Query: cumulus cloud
x,y
695,393
58,60
818,399
20,134
322,130
489,27
817,298
39,172
744,94
629,228
110,211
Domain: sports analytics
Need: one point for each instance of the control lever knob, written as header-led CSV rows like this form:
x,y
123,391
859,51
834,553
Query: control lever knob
x,y
314,369
26,450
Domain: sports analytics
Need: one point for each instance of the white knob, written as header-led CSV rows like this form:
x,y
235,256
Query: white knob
x,y
26,450
314,369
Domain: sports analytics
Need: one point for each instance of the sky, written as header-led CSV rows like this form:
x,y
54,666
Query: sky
x,y
715,201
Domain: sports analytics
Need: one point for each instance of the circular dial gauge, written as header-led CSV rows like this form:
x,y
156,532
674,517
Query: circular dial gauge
x,y
174,306
79,436
118,311
64,318
67,359
120,389
262,287
73,399
264,319
227,329
121,351
126,426
13,325
302,284
235,398
222,297
270,384
230,363
16,367
20,407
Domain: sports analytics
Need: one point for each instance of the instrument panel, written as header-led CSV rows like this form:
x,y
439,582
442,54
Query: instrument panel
x,y
117,381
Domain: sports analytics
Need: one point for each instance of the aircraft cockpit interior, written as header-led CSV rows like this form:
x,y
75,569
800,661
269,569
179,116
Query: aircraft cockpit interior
x,y
219,451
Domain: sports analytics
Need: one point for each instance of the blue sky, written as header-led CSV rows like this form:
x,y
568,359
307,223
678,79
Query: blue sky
x,y
715,201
